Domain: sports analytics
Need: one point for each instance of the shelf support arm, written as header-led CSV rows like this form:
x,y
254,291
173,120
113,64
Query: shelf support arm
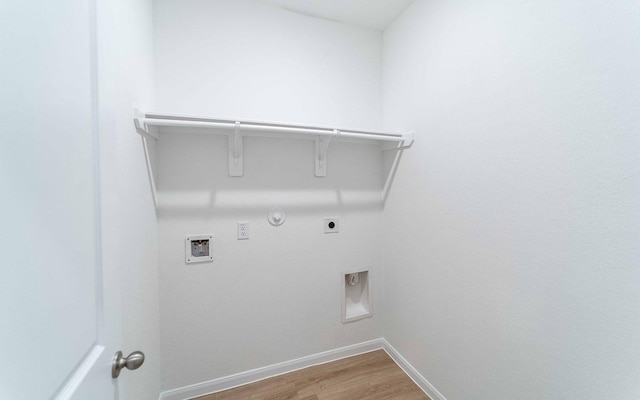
x,y
322,144
236,153
152,180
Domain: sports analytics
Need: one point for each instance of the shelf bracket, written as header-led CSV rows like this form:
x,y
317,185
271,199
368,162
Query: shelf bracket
x,y
322,144
407,141
236,152
141,127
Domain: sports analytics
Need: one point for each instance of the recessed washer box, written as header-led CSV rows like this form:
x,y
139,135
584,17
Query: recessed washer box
x,y
198,248
356,295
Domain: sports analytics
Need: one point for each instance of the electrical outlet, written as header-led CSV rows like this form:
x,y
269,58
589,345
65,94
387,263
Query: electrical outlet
x,y
243,230
331,225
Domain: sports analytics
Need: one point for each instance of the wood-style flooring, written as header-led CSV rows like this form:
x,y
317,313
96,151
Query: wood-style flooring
x,y
370,376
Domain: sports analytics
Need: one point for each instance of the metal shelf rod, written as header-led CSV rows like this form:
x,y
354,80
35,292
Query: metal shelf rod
x,y
256,127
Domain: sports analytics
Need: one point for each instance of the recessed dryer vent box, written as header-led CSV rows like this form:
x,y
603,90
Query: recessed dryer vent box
x,y
356,295
198,248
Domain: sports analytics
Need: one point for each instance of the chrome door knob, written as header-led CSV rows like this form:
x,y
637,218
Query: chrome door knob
x,y
132,361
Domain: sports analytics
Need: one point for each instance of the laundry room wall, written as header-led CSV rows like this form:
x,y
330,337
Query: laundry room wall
x,y
511,250
276,296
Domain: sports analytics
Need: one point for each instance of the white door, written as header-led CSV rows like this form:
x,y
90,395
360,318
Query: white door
x,y
58,308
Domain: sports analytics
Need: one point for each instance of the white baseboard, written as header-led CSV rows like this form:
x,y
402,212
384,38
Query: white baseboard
x,y
413,373
254,375
243,378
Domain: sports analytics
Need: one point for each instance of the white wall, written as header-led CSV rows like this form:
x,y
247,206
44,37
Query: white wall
x,y
276,296
513,225
245,59
125,73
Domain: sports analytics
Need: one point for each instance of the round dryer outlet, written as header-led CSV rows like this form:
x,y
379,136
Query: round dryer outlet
x,y
277,217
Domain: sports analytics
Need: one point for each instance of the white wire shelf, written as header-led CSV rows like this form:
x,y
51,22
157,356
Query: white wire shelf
x,y
149,124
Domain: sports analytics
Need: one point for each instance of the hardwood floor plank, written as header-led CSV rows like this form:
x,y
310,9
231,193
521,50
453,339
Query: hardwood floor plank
x,y
369,376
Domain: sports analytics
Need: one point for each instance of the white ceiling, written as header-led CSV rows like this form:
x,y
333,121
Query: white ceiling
x,y
375,14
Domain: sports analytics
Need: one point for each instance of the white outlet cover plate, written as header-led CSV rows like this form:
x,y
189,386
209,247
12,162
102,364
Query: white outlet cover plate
x,y
335,229
243,234
189,259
